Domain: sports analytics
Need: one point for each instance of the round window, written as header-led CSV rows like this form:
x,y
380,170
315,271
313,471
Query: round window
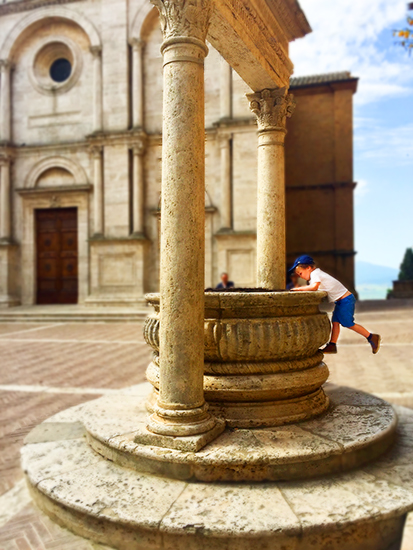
x,y
60,69
56,65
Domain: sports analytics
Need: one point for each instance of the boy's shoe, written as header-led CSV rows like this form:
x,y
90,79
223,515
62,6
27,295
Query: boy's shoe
x,y
330,348
374,342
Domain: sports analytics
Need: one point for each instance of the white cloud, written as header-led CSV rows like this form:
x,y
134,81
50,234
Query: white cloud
x,y
375,140
362,189
347,36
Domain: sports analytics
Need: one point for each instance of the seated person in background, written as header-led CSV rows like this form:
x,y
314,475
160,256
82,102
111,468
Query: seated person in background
x,y
224,282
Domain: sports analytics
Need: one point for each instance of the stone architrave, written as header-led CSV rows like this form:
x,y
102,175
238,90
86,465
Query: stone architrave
x,y
97,89
5,100
5,200
96,153
181,409
271,107
138,194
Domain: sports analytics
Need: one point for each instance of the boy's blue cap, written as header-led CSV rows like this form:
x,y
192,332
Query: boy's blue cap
x,y
304,259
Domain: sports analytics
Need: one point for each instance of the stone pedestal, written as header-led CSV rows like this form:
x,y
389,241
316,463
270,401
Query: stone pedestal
x,y
117,272
9,275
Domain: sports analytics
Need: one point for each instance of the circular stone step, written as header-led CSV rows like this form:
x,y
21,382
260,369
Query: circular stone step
x,y
359,510
357,428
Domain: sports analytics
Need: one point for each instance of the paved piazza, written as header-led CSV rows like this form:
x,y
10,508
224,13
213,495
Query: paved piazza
x,y
49,367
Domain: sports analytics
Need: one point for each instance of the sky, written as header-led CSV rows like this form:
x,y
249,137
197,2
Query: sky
x,y
357,37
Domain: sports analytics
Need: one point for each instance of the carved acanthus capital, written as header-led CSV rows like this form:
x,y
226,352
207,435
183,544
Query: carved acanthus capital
x,y
136,44
139,147
96,151
184,18
5,65
272,107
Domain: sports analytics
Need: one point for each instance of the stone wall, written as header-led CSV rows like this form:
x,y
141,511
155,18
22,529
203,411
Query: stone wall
x,y
73,144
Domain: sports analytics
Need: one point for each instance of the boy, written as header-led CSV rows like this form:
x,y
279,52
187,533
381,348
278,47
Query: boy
x,y
343,313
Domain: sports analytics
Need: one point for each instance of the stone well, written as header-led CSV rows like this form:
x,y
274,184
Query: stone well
x,y
263,366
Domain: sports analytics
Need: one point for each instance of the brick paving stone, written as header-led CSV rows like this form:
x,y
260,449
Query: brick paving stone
x,y
105,355
12,328
32,530
19,413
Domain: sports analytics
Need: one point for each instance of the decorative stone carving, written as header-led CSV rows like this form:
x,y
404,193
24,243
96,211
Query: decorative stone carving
x,y
188,18
262,365
272,107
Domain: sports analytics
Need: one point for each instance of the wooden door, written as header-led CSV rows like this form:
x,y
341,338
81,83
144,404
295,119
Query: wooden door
x,y
57,256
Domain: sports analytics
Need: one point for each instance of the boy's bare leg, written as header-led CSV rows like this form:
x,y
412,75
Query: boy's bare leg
x,y
360,330
335,333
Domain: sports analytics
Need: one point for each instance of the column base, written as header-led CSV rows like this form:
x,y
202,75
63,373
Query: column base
x,y
191,443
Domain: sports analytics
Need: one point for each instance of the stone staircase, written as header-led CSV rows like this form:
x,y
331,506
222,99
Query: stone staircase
x,y
72,314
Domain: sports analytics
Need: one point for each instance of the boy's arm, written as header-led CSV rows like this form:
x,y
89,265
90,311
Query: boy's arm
x,y
314,286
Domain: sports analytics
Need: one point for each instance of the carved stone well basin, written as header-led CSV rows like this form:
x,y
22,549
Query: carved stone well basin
x,y
262,364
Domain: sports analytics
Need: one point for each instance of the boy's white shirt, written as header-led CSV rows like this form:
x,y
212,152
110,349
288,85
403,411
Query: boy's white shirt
x,y
334,288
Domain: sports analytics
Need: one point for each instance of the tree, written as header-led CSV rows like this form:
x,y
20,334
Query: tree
x,y
405,36
406,267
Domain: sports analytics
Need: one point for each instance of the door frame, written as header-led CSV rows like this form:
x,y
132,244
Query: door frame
x,y
44,198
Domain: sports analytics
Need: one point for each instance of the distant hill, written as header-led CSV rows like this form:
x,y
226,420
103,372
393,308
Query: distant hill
x,y
371,274
373,281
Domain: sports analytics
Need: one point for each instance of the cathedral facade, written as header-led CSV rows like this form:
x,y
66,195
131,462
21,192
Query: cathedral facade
x,y
80,159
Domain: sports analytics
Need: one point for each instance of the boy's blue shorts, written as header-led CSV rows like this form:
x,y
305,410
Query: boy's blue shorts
x,y
344,311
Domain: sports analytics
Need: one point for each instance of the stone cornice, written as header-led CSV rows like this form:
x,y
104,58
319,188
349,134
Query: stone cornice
x,y
291,17
75,188
17,6
189,18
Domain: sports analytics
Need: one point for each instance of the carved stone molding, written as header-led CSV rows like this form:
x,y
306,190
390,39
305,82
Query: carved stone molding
x,y
95,151
184,18
26,5
139,147
271,107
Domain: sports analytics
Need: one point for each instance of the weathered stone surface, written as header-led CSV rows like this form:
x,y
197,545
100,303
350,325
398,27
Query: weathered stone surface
x,y
263,351
337,441
361,510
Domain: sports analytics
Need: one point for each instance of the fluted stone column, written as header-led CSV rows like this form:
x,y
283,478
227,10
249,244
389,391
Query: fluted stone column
x,y
5,100
271,108
96,153
97,89
137,83
5,200
138,193
181,409
226,199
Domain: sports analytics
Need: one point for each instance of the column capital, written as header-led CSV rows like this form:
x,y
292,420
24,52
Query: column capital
x,y
96,151
5,65
96,51
139,147
224,139
136,44
272,107
184,18
5,160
